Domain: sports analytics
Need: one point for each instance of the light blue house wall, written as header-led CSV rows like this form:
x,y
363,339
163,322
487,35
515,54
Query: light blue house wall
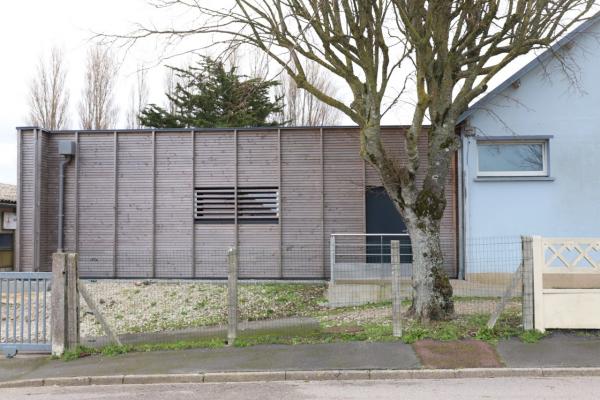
x,y
538,101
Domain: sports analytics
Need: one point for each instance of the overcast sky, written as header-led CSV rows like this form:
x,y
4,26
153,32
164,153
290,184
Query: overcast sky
x,y
30,28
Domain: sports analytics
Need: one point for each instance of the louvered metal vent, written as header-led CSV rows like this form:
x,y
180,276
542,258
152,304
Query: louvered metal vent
x,y
253,204
215,204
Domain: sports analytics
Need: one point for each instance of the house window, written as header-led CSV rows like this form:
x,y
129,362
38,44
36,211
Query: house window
x,y
512,158
253,205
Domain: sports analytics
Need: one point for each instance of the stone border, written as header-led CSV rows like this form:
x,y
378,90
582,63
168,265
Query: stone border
x,y
279,376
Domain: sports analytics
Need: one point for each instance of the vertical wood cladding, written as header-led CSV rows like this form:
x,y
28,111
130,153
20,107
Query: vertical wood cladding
x,y
134,205
26,202
301,203
343,184
321,181
173,205
258,167
214,167
96,204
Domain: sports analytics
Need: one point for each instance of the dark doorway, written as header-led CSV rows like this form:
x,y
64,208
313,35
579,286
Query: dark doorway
x,y
383,218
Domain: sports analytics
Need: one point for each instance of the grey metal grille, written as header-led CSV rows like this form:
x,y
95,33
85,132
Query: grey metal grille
x,y
250,204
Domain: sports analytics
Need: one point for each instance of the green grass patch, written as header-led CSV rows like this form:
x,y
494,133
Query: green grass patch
x,y
464,327
531,336
74,354
113,350
347,333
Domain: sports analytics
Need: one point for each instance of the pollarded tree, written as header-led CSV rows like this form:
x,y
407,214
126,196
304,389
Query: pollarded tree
x,y
209,96
452,48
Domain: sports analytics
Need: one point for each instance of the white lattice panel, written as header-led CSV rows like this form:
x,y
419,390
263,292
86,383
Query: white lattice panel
x,y
571,255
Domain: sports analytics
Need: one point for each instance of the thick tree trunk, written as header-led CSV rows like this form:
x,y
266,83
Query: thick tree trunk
x,y
432,294
422,209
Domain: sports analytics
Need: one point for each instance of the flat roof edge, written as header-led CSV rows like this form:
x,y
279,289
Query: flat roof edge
x,y
263,128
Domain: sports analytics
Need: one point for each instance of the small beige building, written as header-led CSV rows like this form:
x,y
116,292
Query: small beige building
x,y
8,225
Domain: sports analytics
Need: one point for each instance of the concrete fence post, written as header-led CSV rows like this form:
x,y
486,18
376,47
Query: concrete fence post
x,y
538,286
527,271
232,296
72,301
58,317
64,317
332,259
396,288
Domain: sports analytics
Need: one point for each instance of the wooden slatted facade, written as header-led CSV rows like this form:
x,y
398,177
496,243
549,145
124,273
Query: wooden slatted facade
x,y
129,200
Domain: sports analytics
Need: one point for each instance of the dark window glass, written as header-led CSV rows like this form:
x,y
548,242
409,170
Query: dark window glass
x,y
6,241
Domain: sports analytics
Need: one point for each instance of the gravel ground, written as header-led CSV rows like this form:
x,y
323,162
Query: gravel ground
x,y
133,307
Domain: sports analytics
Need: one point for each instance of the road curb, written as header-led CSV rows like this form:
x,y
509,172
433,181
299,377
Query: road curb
x,y
322,375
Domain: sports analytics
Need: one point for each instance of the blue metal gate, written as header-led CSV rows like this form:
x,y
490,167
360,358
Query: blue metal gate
x,y
24,312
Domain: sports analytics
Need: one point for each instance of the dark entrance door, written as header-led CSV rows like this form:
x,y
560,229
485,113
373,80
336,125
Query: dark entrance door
x,y
383,218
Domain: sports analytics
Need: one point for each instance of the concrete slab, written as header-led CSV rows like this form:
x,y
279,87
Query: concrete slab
x,y
557,350
334,356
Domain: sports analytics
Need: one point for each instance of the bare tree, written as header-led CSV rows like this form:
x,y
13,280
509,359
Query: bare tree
x,y
170,83
454,48
301,107
48,95
96,108
138,99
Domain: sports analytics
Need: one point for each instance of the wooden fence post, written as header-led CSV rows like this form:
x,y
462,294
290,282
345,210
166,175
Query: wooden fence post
x,y
58,321
232,296
528,300
396,287
72,301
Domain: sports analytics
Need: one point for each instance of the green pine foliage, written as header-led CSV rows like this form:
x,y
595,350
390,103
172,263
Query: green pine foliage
x,y
208,95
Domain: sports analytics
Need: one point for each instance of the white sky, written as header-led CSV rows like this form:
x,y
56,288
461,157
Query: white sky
x,y
30,28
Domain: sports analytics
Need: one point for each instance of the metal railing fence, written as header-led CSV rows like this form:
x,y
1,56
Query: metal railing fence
x,y
24,311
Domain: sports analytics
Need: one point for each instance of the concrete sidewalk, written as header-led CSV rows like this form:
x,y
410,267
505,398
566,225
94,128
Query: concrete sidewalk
x,y
566,350
557,350
335,356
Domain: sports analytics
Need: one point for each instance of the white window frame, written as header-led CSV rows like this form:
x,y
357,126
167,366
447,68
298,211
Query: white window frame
x,y
490,174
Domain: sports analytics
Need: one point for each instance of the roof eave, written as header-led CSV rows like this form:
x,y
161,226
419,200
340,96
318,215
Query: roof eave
x,y
528,67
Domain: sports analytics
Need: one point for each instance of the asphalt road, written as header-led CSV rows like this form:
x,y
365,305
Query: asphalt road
x,y
464,389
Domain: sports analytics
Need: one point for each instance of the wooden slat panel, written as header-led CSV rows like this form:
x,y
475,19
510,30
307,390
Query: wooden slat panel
x,y
48,203
96,165
214,167
258,167
344,190
173,205
134,205
301,203
26,212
